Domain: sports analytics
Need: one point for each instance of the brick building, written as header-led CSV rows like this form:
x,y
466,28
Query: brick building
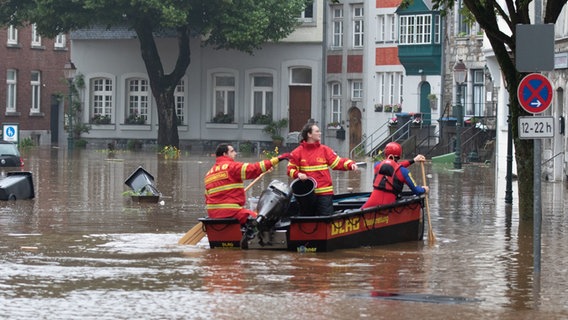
x,y
32,83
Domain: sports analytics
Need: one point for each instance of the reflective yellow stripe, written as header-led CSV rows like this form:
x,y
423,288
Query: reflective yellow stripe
x,y
244,171
324,190
223,206
313,168
225,187
335,162
292,172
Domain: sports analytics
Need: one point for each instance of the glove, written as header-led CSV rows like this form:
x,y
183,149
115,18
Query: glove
x,y
284,156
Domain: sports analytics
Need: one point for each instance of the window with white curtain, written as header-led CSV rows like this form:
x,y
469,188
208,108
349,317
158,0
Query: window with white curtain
x,y
35,83
335,102
179,98
12,35
262,95
11,86
224,97
358,26
138,101
337,40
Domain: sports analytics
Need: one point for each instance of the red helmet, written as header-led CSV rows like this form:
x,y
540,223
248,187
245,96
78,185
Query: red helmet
x,y
394,149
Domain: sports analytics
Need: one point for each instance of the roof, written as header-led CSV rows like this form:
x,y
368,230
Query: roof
x,y
100,32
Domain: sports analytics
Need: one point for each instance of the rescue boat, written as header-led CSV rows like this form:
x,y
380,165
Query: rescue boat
x,y
280,226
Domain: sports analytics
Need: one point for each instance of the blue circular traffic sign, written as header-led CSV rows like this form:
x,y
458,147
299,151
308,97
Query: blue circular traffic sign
x,y
535,93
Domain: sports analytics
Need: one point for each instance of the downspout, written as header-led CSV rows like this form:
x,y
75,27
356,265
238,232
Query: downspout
x,y
323,71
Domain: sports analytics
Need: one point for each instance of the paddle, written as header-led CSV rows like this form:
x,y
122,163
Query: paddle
x,y
195,234
431,237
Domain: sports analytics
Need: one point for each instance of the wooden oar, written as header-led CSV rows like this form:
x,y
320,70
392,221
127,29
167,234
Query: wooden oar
x,y
195,234
431,237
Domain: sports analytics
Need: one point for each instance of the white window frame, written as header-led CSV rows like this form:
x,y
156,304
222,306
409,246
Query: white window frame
x,y
358,26
12,36
392,36
102,93
36,38
391,88
35,83
381,88
337,25
381,28
60,41
335,102
266,95
307,15
400,87
357,90
225,92
138,98
478,93
11,90
179,98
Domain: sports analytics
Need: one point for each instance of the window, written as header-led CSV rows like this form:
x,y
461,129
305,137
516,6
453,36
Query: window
x,y
478,93
463,27
337,41
308,14
335,103
36,38
59,41
137,112
224,98
36,91
358,26
179,98
437,29
390,88
101,97
357,90
12,35
11,85
262,95
387,28
416,29
301,76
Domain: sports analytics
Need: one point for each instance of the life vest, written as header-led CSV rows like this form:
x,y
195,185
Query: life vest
x,y
386,177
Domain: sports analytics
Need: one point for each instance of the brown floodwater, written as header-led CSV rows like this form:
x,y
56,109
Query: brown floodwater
x,y
82,249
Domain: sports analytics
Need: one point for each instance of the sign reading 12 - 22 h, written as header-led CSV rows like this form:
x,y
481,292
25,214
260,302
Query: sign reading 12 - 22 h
x,y
535,96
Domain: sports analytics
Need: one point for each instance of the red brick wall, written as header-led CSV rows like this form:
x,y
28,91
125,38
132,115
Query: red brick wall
x,y
388,3
334,64
48,61
386,56
355,64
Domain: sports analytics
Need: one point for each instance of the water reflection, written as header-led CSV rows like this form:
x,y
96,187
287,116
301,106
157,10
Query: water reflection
x,y
81,249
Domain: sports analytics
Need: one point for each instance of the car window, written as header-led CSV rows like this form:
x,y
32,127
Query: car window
x,y
8,149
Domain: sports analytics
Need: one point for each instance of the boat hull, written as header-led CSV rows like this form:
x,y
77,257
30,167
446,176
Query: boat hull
x,y
348,227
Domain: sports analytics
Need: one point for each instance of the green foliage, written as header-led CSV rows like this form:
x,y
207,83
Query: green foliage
x,y
261,118
222,118
274,129
170,152
26,143
100,119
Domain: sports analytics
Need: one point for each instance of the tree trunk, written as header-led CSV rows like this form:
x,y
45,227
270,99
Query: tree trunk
x,y
162,85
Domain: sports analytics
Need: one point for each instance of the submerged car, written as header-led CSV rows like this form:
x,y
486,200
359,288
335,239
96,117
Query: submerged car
x,y
10,155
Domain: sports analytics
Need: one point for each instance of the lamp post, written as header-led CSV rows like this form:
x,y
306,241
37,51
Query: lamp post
x,y
460,74
69,72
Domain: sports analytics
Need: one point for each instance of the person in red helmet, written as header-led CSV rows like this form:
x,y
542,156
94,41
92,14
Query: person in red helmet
x,y
390,177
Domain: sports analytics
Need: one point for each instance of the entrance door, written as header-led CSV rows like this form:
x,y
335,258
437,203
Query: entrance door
x,y
355,128
425,109
54,120
300,106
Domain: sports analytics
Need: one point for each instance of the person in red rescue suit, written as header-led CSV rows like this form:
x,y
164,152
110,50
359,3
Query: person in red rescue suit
x,y
224,188
390,177
313,159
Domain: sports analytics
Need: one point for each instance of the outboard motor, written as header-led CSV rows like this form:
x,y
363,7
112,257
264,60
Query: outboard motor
x,y
273,205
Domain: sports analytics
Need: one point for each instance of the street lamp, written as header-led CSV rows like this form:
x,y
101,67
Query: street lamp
x,y
69,71
460,74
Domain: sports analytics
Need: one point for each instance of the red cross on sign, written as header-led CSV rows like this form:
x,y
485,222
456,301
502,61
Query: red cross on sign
x,y
535,93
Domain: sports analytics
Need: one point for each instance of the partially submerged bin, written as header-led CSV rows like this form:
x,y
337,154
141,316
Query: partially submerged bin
x,y
17,185
142,183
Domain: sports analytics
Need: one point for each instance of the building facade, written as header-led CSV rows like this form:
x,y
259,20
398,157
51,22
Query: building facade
x,y
34,85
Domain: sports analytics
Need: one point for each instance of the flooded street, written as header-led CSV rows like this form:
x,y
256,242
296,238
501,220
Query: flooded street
x,y
82,249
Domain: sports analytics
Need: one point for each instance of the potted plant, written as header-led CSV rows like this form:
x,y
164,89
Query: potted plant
x,y
397,107
100,119
134,118
388,108
222,118
261,118
378,107
274,129
333,125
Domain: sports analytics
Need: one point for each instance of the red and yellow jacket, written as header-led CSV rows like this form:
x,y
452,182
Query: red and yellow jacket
x,y
224,187
315,160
